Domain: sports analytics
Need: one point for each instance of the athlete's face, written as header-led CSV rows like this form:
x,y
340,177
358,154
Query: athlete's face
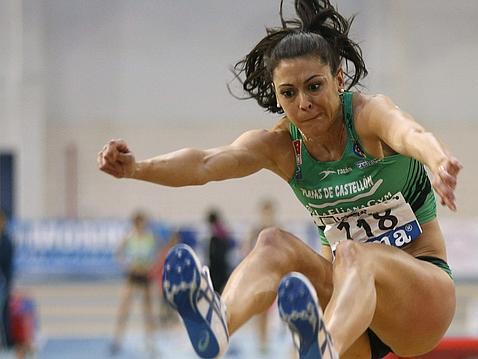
x,y
308,93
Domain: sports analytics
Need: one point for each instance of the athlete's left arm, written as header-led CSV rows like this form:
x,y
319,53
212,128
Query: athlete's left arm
x,y
404,135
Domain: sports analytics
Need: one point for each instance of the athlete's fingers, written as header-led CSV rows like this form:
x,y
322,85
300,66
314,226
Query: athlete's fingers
x,y
454,166
102,160
99,159
115,166
445,192
111,170
125,157
110,153
447,178
113,148
120,145
449,170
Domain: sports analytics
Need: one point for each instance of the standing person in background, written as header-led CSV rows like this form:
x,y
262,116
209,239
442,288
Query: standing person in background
x,y
220,244
267,219
137,255
356,162
6,276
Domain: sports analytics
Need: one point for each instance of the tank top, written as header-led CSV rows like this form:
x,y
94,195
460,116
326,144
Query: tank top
x,y
140,250
361,186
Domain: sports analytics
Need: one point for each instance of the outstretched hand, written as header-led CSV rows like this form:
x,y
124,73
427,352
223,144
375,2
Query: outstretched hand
x,y
445,179
116,159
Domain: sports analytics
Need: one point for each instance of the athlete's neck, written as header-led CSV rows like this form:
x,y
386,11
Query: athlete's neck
x,y
330,146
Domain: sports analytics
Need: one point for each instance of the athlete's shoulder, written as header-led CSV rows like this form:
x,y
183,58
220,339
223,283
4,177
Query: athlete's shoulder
x,y
362,100
368,109
364,104
276,136
275,144
264,137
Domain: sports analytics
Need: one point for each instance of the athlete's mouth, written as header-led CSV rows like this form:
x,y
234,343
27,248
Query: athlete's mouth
x,y
314,118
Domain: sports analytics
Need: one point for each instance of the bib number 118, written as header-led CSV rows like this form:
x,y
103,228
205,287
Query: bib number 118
x,y
385,222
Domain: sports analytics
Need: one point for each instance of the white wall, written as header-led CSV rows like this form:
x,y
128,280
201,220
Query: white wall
x,y
22,110
155,73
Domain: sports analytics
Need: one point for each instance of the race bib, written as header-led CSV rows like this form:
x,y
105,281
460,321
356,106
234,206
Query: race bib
x,y
391,222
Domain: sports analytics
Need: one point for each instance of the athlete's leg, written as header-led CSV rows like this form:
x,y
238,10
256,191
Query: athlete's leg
x,y
252,287
407,302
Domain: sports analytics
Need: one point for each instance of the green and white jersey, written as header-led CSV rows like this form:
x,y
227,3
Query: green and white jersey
x,y
361,197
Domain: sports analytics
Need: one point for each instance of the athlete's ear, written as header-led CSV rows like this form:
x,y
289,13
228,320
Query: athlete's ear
x,y
340,80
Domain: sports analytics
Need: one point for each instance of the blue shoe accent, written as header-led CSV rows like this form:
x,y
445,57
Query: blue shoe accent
x,y
299,308
187,287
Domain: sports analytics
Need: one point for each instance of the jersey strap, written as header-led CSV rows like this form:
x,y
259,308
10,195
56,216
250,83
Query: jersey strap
x,y
346,99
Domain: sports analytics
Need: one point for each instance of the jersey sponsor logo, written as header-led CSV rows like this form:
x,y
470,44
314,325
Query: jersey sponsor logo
x,y
337,214
341,190
340,171
344,190
326,173
366,163
344,171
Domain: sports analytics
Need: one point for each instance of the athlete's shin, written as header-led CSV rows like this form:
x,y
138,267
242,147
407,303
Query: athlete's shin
x,y
250,290
352,306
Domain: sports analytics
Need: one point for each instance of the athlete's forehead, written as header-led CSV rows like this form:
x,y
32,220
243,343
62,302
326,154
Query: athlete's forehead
x,y
300,70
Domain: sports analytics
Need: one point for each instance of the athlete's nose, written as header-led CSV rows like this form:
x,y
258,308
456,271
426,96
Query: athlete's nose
x,y
304,102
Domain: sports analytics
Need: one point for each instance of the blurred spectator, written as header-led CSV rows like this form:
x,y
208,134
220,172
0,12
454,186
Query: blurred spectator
x,y
137,255
267,218
6,276
220,245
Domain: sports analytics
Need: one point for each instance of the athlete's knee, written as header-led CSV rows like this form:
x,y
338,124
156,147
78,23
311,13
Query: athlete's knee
x,y
275,242
350,254
270,237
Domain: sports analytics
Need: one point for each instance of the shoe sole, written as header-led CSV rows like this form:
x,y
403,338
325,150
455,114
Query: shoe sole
x,y
182,272
299,308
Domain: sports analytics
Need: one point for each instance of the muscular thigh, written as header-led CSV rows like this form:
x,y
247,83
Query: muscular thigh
x,y
297,256
415,300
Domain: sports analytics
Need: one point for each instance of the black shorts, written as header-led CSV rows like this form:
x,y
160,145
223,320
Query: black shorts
x,y
380,349
138,279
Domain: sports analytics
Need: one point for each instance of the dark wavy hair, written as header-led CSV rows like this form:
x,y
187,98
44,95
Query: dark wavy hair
x,y
318,31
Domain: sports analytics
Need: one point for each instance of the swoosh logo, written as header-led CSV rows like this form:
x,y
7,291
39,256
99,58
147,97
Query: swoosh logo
x,y
204,341
327,173
353,199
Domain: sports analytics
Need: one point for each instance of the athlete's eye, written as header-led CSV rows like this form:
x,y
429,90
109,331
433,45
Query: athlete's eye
x,y
287,93
315,86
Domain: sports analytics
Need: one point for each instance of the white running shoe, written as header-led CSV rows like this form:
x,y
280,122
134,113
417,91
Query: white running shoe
x,y
187,287
300,309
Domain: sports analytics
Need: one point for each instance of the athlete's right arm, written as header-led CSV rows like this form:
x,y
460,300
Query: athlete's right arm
x,y
249,153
